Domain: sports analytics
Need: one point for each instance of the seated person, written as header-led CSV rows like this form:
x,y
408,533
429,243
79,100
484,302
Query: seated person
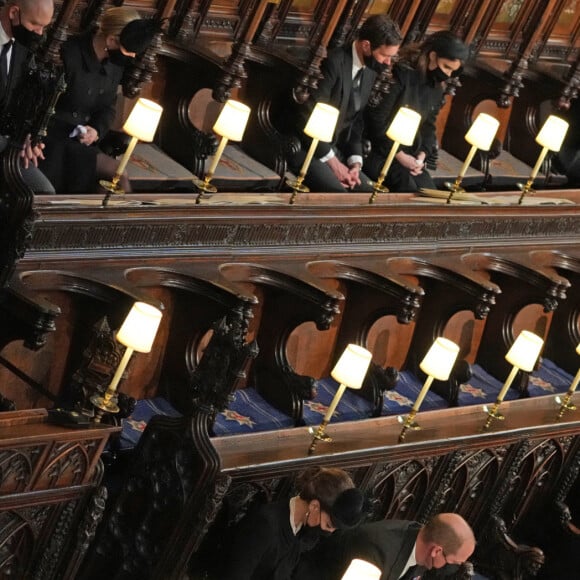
x,y
401,549
22,24
268,543
94,65
419,83
348,77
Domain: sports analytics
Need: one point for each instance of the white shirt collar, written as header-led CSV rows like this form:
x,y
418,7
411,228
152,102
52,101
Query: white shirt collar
x,y
356,61
295,527
412,561
4,38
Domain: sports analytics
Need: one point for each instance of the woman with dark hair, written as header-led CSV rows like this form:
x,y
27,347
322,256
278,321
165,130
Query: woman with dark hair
x,y
269,541
419,83
94,64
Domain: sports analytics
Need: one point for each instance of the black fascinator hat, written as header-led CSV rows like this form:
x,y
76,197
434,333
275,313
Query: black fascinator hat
x,y
138,34
349,509
447,45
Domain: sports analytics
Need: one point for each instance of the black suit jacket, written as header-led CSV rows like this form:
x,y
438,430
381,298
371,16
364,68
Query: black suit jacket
x,y
335,89
18,59
387,544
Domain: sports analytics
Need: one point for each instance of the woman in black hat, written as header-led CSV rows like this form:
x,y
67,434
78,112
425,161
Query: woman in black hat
x,y
419,82
94,65
268,543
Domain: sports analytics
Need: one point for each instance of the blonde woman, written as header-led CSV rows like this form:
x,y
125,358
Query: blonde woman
x,y
94,65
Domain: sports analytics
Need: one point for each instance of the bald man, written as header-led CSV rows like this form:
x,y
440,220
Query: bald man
x,y
401,549
22,23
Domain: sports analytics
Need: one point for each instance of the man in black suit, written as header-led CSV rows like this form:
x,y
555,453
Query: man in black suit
x,y
348,76
401,549
22,23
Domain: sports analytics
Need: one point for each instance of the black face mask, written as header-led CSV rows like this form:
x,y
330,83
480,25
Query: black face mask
x,y
117,58
437,76
372,63
309,535
27,38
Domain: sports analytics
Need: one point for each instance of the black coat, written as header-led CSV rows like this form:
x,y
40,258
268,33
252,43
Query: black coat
x,y
89,99
412,89
264,546
335,89
387,544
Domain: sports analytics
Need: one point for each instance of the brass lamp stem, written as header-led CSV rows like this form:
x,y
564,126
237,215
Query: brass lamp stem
x,y
409,420
378,186
106,403
112,186
319,434
296,184
528,186
493,412
566,405
457,184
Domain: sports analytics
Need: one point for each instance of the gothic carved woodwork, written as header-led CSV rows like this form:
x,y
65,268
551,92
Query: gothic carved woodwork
x,y
165,509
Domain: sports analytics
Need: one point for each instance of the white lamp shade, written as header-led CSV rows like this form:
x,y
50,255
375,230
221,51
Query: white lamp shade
x,y
552,133
351,368
232,120
143,120
482,131
440,359
322,122
525,351
140,327
403,127
362,570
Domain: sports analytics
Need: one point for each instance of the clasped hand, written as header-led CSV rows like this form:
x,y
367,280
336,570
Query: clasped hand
x,y
348,177
415,165
30,154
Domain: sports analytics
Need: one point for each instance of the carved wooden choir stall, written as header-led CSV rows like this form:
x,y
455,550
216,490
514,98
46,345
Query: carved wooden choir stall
x,y
134,456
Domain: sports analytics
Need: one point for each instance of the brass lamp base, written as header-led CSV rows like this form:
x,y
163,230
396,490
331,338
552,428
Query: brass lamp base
x,y
204,186
526,189
565,404
297,187
378,187
453,189
104,405
112,187
492,414
408,423
318,435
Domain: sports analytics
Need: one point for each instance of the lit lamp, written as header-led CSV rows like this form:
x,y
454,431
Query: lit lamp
x,y
550,137
230,126
401,131
480,136
320,127
362,570
137,333
523,356
349,371
141,125
565,404
436,364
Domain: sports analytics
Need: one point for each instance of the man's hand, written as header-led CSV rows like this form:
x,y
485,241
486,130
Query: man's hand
x,y
354,172
89,136
342,173
30,154
414,165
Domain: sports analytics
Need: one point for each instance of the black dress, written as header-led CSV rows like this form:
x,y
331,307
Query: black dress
x,y
415,90
89,99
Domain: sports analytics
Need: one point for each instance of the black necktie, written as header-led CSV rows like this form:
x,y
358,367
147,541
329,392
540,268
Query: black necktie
x,y
4,69
356,81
